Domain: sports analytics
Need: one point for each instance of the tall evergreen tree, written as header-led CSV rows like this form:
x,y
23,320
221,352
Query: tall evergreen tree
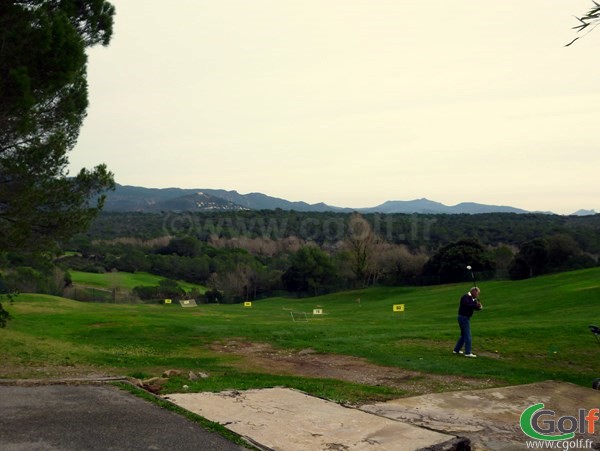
x,y
43,101
588,21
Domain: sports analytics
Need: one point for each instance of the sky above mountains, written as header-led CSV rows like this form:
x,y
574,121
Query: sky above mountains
x,y
351,102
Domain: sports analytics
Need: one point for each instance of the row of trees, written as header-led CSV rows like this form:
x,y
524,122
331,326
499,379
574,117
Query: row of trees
x,y
253,253
268,230
554,254
246,268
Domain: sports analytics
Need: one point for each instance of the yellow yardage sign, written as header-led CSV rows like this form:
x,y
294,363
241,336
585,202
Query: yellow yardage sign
x,y
247,304
167,301
398,307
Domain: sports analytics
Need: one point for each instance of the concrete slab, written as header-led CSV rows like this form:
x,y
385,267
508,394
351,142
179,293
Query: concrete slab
x,y
285,419
490,417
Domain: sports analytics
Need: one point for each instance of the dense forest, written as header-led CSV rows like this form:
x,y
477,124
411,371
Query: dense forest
x,y
413,230
247,255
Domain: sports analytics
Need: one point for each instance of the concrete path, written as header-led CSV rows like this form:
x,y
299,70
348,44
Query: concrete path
x,y
490,417
103,417
288,420
284,419
95,417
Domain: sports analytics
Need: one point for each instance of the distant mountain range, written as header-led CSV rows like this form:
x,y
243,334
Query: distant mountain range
x,y
584,213
134,198
429,206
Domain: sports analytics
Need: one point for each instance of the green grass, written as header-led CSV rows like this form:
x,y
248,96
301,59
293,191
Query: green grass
x,y
529,331
125,280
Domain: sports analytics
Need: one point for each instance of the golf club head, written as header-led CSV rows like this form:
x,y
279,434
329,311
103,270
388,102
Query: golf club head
x,y
469,267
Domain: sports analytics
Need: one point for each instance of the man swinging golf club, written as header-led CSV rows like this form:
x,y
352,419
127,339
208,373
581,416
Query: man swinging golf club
x,y
468,304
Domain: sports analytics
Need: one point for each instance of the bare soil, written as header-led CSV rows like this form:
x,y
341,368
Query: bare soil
x,y
265,358
12,371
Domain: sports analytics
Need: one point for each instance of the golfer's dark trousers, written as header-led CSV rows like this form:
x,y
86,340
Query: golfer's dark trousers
x,y
465,334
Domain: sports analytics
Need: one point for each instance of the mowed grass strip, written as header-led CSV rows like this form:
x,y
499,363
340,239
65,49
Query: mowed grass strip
x,y
529,331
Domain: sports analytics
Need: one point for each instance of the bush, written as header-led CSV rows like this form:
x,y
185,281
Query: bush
x,y
450,262
166,289
4,316
213,296
30,280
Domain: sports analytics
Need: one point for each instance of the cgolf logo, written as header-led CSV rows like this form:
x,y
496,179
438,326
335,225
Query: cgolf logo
x,y
541,424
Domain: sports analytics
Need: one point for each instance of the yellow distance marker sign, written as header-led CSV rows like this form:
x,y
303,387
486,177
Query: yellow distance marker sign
x,y
247,304
398,307
167,301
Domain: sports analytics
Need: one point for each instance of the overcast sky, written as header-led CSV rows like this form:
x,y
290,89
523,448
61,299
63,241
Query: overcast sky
x,y
351,102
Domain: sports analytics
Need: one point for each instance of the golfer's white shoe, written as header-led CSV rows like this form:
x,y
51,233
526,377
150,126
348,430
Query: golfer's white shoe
x,y
470,355
457,352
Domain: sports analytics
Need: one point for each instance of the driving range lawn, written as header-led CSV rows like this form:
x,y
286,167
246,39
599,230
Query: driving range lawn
x,y
528,331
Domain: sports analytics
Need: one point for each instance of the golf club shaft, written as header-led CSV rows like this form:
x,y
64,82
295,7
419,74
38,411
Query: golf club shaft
x,y
474,282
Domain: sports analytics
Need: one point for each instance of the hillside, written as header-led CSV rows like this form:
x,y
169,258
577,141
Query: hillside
x,y
133,198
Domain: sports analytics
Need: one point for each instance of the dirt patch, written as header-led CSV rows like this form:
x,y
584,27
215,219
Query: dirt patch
x,y
308,363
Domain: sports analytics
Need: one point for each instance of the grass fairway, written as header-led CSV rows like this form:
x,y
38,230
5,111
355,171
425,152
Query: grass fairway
x,y
529,331
125,280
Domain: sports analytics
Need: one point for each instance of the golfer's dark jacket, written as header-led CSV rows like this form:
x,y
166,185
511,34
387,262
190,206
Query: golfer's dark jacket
x,y
468,304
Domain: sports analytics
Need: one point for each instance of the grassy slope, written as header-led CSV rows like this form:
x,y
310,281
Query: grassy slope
x,y
124,280
528,331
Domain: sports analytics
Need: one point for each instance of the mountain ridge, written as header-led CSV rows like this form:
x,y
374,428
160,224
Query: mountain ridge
x,y
136,198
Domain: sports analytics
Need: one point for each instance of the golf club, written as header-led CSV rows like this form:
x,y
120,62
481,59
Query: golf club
x,y
472,276
474,282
